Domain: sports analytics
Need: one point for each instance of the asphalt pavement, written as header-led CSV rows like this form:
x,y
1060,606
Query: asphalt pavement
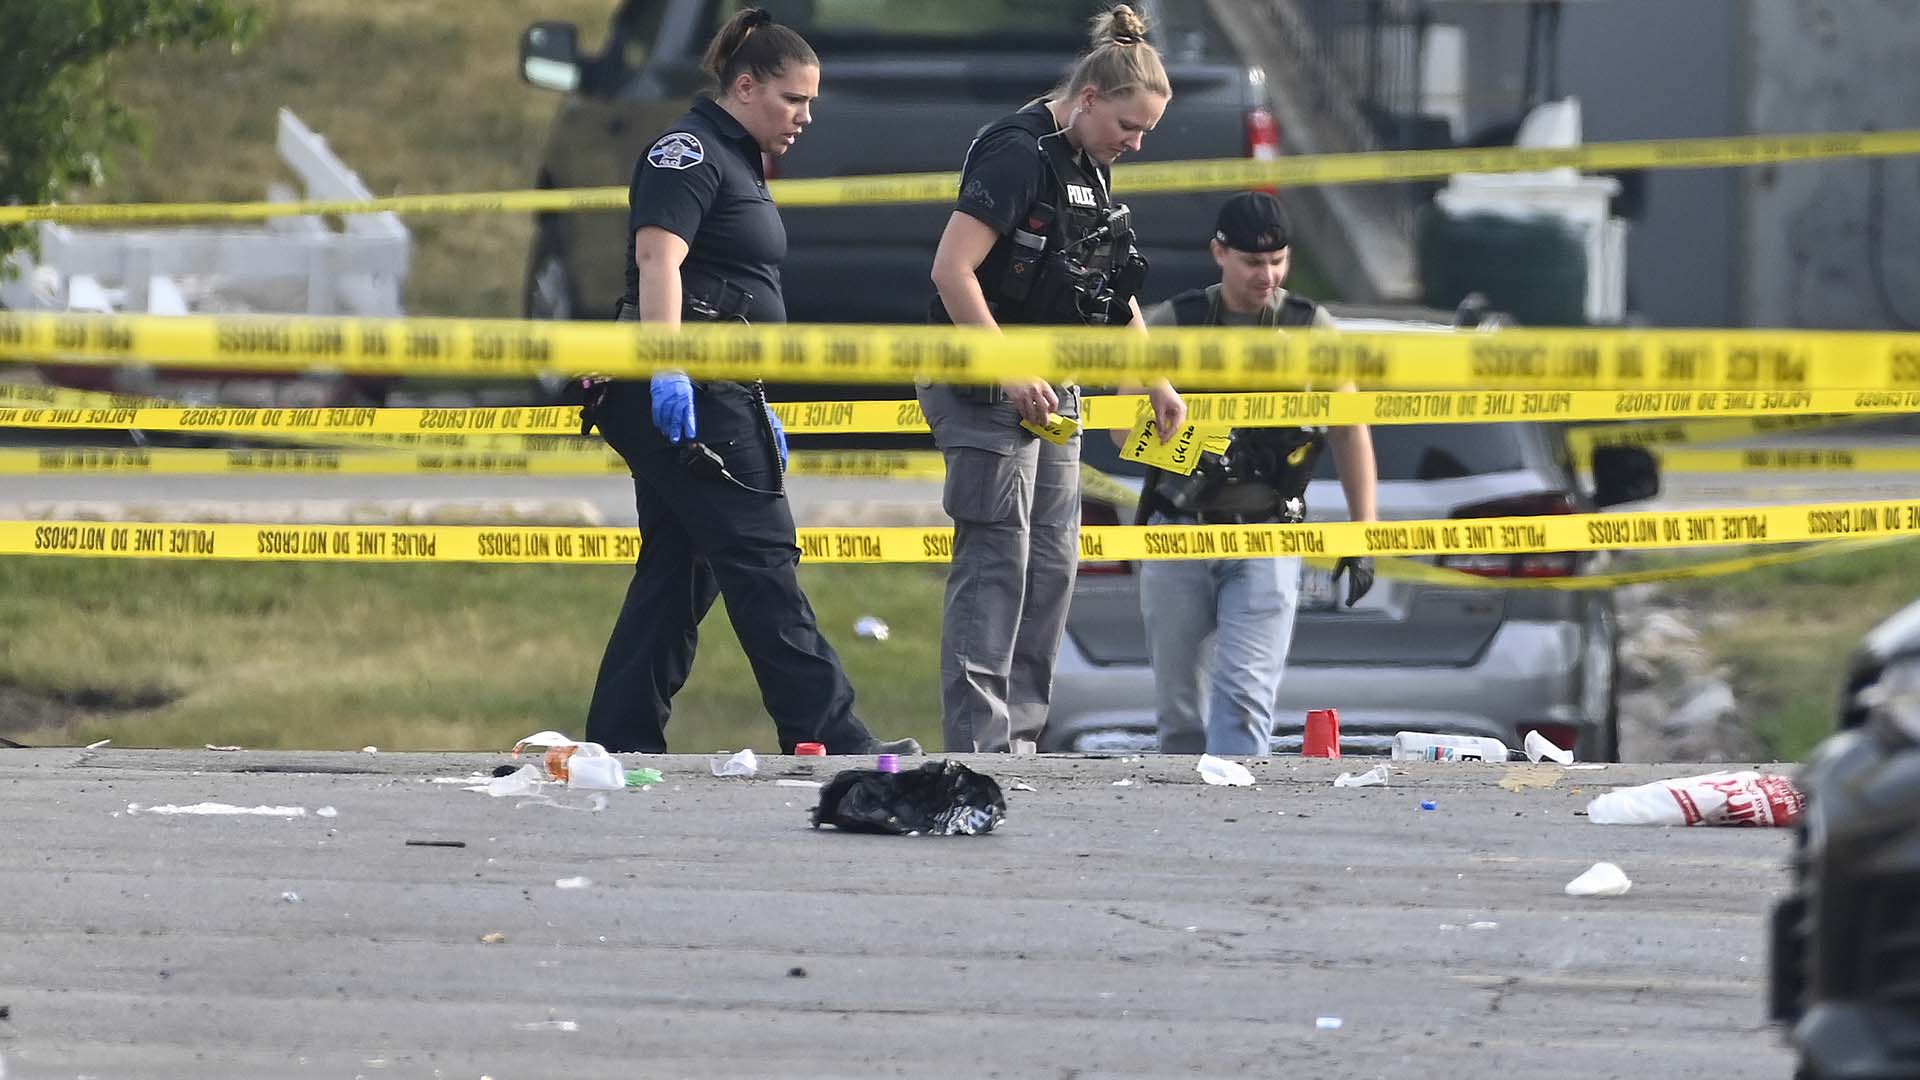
x,y
1127,920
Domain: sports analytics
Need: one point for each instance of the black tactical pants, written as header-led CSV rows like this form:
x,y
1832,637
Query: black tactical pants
x,y
703,536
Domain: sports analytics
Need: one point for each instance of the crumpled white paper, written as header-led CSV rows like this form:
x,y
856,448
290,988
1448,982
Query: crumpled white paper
x,y
1223,773
1601,879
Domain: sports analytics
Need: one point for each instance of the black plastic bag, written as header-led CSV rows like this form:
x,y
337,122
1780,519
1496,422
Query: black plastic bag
x,y
940,798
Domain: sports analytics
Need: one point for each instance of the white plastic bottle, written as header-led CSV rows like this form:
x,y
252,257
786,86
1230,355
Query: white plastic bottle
x,y
1426,746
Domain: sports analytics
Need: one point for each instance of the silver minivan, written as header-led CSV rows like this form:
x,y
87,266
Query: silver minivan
x,y
1411,656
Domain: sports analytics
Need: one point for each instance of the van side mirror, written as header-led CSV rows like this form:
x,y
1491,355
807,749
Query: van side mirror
x,y
550,56
1623,474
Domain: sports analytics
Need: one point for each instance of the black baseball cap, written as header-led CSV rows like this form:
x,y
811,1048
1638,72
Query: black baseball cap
x,y
1252,221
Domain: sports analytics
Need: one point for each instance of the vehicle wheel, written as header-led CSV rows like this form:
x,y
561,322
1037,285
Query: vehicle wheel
x,y
1600,682
549,292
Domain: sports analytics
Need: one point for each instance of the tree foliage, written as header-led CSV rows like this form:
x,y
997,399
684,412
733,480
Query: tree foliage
x,y
58,121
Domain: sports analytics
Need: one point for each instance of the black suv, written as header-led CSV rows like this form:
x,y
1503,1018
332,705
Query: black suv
x,y
905,85
1846,940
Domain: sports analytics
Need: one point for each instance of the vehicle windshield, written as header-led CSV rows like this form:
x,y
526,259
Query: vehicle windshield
x,y
1438,451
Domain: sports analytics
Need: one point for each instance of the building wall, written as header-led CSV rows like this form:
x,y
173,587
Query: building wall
x,y
1809,248
1650,69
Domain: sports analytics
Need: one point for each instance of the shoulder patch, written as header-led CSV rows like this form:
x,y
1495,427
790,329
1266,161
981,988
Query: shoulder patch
x,y
677,150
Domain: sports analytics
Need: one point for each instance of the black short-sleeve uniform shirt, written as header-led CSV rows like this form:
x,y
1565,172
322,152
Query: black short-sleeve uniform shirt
x,y
1003,178
703,181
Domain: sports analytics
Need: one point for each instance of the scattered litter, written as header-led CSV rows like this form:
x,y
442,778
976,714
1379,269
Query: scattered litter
x,y
1601,879
796,973
1223,773
549,1025
369,749
814,784
437,843
475,778
1588,766
326,811
1192,929
740,764
97,745
1022,785
506,770
1721,798
494,938
1123,783
641,778
595,773
938,799
1328,1023
1025,747
1519,778
1374,777
573,883
1429,804
1449,927
521,782
1538,746
225,749
290,897
214,809
873,627
1483,925
1428,746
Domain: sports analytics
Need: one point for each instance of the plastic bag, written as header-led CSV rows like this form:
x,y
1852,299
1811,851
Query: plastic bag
x,y
940,798
1722,798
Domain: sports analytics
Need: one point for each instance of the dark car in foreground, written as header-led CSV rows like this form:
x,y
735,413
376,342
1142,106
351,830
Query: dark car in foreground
x,y
1846,940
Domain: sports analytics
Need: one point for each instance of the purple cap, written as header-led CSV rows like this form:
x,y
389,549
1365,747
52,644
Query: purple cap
x,y
887,763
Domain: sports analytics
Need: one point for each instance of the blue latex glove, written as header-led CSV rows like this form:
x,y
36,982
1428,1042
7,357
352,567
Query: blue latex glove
x,y
673,406
779,436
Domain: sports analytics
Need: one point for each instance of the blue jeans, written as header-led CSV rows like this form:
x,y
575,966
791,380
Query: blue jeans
x,y
1241,612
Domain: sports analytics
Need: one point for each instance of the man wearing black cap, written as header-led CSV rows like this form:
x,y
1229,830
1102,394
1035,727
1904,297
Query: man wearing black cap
x,y
1244,606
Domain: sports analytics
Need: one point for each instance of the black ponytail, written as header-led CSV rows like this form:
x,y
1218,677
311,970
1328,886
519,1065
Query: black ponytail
x,y
752,42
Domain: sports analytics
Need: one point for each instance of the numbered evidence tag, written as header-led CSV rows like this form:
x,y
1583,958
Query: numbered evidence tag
x,y
1059,430
1180,454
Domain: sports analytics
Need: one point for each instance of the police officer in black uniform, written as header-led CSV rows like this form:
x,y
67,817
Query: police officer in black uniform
x,y
1034,238
704,243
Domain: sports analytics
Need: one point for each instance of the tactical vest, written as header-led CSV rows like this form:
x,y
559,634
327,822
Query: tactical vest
x,y
1282,458
1042,271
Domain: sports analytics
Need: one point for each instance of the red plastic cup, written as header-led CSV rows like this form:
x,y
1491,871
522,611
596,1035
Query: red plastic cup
x,y
810,749
1323,734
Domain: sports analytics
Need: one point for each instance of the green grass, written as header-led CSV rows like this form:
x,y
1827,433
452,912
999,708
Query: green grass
x,y
1786,632
417,96
317,656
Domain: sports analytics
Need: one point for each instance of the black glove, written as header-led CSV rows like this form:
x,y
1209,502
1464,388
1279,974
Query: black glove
x,y
1359,571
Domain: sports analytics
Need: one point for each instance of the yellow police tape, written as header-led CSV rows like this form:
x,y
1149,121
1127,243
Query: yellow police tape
x,y
1428,574
875,464
1817,459
1556,360
1165,177
1479,536
867,464
556,428
1653,434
